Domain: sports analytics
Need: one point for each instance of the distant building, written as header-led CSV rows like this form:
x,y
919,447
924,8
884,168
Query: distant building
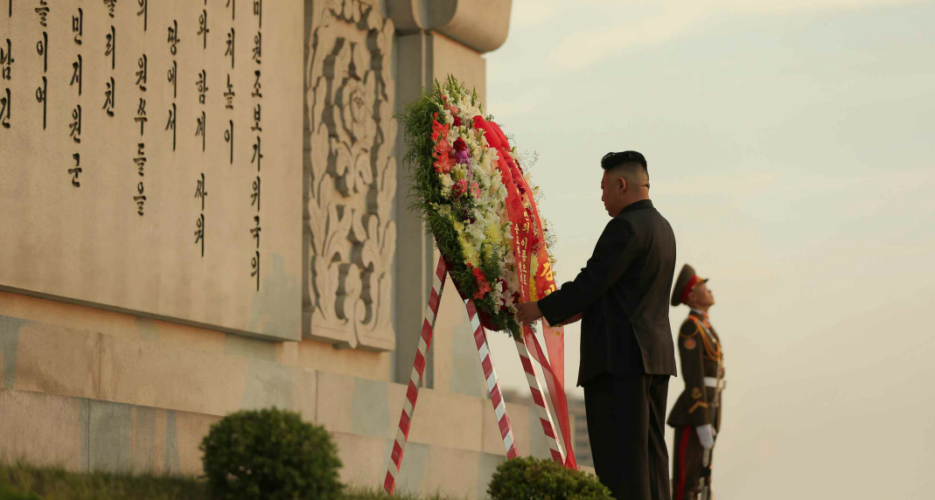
x,y
579,436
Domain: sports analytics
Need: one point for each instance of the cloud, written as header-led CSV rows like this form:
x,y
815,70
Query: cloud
x,y
612,27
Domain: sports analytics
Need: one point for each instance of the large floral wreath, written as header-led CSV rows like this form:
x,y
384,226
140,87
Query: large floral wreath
x,y
477,202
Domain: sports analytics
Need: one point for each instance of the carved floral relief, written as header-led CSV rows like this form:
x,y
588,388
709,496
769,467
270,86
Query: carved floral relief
x,y
350,176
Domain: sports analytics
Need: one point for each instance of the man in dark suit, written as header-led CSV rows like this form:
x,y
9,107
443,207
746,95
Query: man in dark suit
x,y
627,354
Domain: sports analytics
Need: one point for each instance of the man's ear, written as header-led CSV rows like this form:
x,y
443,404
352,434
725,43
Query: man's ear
x,y
623,183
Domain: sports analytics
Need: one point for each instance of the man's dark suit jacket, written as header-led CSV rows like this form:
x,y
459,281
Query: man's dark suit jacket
x,y
623,295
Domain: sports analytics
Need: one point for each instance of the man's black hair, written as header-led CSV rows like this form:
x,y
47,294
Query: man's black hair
x,y
614,160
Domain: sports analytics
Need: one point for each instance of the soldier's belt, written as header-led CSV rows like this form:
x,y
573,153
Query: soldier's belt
x,y
715,383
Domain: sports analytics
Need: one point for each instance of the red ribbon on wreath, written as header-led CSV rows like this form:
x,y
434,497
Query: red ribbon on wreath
x,y
529,243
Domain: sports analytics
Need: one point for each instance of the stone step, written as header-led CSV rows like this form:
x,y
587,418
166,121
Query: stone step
x,y
82,435
55,360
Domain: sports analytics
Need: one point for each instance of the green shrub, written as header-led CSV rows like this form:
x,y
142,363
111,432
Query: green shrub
x,y
270,454
529,478
7,493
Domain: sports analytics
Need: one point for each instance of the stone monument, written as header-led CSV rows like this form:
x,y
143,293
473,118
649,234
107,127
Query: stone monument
x,y
204,211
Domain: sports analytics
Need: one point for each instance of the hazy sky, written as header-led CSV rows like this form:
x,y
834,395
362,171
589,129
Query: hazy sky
x,y
791,145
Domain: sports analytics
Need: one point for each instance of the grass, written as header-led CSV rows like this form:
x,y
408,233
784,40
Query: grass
x,y
25,482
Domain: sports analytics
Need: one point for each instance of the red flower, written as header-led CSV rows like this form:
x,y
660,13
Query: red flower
x,y
460,145
457,121
443,161
482,285
460,188
439,130
442,149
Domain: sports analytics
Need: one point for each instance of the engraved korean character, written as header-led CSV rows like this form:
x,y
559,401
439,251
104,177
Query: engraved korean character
x,y
255,195
258,47
142,64
231,42
229,95
110,97
200,232
111,47
76,71
110,5
75,171
5,104
6,60
256,86
202,85
43,11
170,124
141,115
140,198
200,129
257,115
42,98
174,39
140,159
144,13
255,266
203,27
76,124
42,47
257,154
173,75
200,190
255,231
229,138
77,26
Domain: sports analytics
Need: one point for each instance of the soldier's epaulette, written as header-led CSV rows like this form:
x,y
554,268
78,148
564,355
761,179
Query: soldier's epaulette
x,y
694,332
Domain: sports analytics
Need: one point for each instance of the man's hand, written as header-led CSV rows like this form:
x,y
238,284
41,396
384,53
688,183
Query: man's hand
x,y
706,435
528,312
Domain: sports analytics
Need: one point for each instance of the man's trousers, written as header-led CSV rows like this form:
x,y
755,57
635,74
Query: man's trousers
x,y
626,426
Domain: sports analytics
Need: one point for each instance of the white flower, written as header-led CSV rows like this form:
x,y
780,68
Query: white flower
x,y
446,180
446,183
477,234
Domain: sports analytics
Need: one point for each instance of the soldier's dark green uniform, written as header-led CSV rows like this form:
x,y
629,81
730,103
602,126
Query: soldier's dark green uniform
x,y
700,403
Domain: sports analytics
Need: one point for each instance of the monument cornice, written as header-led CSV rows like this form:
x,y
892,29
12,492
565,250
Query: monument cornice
x,y
482,25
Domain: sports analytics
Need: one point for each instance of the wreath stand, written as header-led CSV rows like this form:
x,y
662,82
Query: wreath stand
x,y
493,389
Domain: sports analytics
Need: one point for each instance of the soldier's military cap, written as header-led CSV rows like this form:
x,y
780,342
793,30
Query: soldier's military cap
x,y
686,282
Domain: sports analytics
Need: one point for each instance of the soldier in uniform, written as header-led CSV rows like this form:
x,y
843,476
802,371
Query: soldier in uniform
x,y
696,416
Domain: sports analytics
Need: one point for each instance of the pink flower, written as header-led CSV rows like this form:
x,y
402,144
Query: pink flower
x,y
443,162
460,188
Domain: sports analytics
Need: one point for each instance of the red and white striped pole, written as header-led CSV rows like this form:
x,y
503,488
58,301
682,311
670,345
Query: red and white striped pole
x,y
418,368
490,375
545,415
